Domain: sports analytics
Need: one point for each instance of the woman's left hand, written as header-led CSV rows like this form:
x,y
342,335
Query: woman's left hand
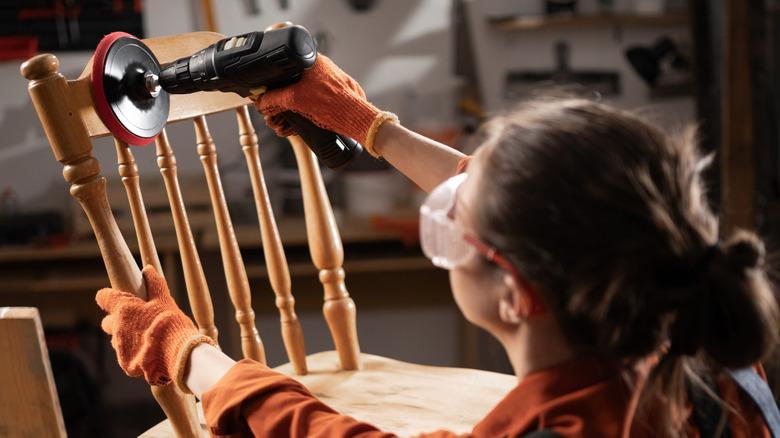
x,y
152,338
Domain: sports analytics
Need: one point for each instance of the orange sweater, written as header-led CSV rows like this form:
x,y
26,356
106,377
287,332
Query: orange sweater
x,y
581,398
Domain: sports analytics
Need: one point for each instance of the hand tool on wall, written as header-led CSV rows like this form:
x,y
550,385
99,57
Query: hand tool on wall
x,y
653,62
131,90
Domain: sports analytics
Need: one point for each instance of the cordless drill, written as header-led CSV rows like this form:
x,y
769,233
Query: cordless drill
x,y
253,63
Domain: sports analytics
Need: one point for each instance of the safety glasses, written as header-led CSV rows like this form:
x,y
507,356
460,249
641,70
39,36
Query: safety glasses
x,y
442,240
448,245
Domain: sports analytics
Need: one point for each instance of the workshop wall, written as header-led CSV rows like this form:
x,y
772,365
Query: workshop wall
x,y
400,51
498,51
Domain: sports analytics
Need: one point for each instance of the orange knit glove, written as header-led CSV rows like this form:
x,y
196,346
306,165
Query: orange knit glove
x,y
152,338
331,99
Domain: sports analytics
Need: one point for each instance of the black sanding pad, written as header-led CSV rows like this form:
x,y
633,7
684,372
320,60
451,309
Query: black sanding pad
x,y
119,92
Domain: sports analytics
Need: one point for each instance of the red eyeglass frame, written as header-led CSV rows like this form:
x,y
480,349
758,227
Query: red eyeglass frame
x,y
532,302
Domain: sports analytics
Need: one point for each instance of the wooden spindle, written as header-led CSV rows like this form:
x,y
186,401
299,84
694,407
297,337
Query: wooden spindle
x,y
128,170
194,277
71,146
235,272
275,260
327,254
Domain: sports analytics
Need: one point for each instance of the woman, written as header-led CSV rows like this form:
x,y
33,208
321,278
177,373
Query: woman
x,y
578,235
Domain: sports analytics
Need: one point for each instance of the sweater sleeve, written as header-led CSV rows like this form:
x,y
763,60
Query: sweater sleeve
x,y
251,399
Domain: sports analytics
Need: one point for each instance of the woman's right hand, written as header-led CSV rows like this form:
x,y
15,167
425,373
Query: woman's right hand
x,y
331,99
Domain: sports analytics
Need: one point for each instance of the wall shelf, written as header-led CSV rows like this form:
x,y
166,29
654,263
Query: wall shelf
x,y
587,21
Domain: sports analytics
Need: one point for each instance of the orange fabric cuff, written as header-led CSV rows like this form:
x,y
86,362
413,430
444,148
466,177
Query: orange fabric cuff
x,y
382,117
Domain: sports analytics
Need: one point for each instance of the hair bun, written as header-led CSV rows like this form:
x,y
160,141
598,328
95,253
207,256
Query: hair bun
x,y
744,251
737,322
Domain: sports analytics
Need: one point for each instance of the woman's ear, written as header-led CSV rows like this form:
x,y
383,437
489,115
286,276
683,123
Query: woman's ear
x,y
515,303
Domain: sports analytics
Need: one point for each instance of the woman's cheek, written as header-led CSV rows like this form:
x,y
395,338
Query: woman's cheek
x,y
474,297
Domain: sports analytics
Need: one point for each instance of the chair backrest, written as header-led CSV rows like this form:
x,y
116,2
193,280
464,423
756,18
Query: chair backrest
x,y
66,111
28,401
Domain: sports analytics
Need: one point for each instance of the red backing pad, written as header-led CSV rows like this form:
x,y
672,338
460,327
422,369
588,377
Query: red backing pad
x,y
99,96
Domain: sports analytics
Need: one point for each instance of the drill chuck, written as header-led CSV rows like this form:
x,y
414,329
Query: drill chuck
x,y
176,78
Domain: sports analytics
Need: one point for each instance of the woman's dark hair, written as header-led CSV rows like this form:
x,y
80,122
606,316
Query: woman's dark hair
x,y
606,215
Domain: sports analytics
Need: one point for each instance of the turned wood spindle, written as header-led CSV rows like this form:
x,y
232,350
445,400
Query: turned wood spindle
x,y
275,260
71,146
235,273
194,277
128,170
327,254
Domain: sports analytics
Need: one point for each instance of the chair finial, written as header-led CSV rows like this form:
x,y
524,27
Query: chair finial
x,y
40,66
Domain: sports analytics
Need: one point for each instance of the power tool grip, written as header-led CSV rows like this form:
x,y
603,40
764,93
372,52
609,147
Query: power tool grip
x,y
333,149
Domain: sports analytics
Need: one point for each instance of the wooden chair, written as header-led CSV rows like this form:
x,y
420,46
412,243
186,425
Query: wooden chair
x,y
456,398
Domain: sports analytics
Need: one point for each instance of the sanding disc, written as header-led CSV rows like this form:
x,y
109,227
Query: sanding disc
x,y
119,92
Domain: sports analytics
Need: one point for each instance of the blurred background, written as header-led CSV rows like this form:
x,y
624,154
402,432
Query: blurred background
x,y
443,66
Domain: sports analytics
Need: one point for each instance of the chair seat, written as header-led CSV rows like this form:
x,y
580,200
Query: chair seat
x,y
396,396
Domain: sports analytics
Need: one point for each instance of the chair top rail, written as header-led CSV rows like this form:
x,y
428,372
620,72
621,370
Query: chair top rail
x,y
183,106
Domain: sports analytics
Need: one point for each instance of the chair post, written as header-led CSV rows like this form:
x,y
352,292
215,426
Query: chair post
x,y
327,253
275,260
71,146
194,278
235,272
